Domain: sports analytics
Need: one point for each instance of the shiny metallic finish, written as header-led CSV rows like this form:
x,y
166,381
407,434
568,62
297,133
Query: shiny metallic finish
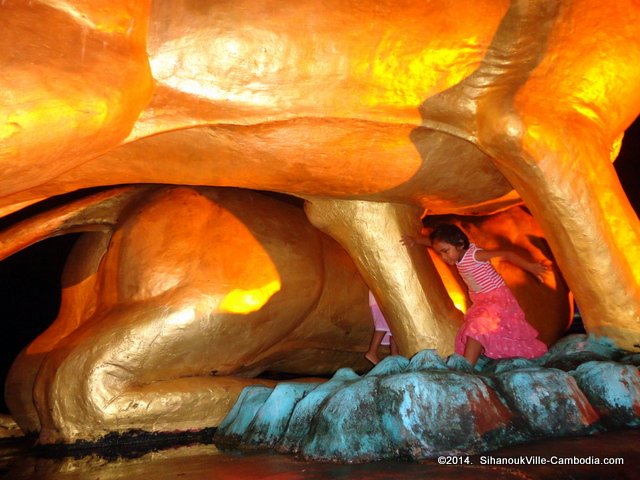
x,y
372,111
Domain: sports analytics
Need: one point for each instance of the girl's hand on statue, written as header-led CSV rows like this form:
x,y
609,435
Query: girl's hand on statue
x,y
541,269
408,241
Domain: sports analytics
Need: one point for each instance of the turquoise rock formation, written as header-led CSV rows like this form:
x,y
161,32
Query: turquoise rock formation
x,y
614,391
430,406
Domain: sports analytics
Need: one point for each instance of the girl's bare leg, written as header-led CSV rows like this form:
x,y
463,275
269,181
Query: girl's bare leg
x,y
372,353
472,350
394,347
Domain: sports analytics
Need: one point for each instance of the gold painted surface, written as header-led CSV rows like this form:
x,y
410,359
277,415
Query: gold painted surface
x,y
410,292
551,116
75,77
286,87
418,104
593,202
145,340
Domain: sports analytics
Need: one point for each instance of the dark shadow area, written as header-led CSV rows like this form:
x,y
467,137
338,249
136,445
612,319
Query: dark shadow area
x,y
129,445
627,164
30,297
49,204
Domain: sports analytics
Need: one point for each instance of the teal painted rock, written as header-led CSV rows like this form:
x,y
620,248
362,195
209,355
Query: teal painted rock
x,y
614,391
429,406
302,417
235,424
574,350
402,415
272,418
548,402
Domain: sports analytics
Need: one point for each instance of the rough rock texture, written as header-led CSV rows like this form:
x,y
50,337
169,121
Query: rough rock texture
x,y
431,406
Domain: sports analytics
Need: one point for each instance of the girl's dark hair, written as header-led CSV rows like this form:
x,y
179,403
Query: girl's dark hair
x,y
450,234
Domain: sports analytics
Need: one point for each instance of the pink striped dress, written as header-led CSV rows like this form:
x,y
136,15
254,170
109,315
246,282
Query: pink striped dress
x,y
495,318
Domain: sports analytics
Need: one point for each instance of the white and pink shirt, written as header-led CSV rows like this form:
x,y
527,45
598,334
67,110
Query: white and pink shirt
x,y
480,277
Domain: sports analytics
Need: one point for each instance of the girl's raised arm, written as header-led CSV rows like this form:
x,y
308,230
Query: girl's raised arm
x,y
538,269
409,241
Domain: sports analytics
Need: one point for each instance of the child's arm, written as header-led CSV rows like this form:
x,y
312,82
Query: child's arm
x,y
409,241
538,269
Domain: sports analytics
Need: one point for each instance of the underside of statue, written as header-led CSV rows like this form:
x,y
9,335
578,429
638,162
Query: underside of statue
x,y
188,284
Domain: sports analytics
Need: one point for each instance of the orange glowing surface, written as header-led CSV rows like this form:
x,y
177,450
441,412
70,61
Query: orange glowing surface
x,y
247,301
453,286
459,300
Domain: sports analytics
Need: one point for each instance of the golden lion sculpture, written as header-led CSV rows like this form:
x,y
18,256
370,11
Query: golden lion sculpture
x,y
177,297
371,112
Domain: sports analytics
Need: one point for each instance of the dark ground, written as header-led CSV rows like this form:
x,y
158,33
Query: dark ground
x,y
204,462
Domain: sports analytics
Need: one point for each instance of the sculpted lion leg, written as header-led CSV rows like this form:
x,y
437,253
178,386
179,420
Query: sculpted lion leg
x,y
573,191
558,157
194,286
96,215
77,304
142,367
407,284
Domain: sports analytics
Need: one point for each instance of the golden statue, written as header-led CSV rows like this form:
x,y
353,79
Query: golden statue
x,y
372,112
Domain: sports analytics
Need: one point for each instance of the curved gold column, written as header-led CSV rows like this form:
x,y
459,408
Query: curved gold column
x,y
406,283
558,155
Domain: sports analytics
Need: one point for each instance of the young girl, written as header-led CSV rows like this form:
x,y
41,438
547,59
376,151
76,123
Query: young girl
x,y
381,334
494,324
